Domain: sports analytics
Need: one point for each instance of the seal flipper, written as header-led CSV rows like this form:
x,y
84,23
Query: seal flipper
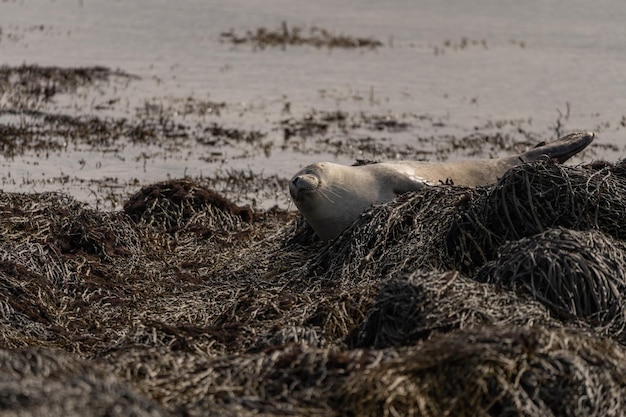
x,y
404,178
561,149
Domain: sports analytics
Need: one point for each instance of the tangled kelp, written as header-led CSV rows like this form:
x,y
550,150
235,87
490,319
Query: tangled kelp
x,y
296,380
187,304
54,383
531,198
494,371
502,371
413,307
575,274
286,380
172,205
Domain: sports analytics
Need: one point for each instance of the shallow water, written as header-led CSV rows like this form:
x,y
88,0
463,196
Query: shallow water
x,y
469,65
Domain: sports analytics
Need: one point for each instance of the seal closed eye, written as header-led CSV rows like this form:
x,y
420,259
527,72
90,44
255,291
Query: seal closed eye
x,y
331,196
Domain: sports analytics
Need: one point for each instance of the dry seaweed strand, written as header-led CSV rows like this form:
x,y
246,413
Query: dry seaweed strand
x,y
483,371
88,267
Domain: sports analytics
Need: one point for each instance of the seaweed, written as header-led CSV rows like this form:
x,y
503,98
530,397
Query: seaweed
x,y
297,36
188,304
532,198
576,274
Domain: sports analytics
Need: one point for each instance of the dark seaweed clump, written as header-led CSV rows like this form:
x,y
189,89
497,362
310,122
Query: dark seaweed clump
x,y
574,273
296,36
186,304
174,204
535,197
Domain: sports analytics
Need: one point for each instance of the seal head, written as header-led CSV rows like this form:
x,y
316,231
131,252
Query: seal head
x,y
331,196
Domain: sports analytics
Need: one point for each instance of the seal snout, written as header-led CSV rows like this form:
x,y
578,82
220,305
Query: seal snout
x,y
293,187
302,183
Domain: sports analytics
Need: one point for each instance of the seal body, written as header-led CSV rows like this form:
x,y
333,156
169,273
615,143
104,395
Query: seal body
x,y
331,196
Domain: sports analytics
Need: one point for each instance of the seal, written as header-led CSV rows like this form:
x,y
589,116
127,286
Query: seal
x,y
331,196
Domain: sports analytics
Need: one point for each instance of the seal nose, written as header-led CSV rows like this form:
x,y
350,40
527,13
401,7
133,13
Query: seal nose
x,y
293,187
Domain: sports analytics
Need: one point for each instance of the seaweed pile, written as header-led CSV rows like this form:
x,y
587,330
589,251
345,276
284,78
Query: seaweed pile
x,y
499,300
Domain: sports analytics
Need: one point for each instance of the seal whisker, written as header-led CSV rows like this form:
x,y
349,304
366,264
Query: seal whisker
x,y
324,193
332,190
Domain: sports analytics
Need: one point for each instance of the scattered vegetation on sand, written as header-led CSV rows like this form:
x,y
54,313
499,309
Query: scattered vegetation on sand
x,y
295,36
25,85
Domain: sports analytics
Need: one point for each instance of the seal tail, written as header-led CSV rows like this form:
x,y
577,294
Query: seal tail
x,y
561,149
